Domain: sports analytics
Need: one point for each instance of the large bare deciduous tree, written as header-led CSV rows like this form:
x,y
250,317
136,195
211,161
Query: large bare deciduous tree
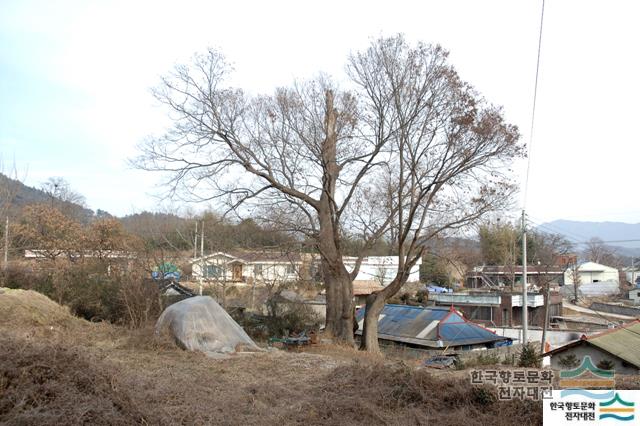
x,y
407,153
447,152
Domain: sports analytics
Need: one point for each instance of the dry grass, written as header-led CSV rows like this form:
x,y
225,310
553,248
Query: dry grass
x,y
29,308
96,374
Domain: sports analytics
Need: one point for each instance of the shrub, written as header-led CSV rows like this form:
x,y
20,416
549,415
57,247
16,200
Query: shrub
x,y
293,318
605,364
569,361
488,359
529,357
90,292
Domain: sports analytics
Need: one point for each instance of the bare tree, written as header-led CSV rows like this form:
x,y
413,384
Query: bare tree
x,y
547,250
409,152
59,189
64,198
574,276
8,191
446,152
596,251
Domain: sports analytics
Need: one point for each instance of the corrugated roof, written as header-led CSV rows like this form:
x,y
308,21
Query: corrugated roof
x,y
255,257
623,342
429,326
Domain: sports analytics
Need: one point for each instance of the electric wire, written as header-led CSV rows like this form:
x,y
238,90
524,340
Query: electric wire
x,y
533,112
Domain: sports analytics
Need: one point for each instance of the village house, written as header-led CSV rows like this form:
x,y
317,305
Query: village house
x,y
500,308
253,267
259,266
618,348
634,296
511,275
380,270
632,275
122,260
591,272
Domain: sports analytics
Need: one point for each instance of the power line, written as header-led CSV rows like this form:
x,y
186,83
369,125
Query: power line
x,y
533,111
578,237
582,239
573,237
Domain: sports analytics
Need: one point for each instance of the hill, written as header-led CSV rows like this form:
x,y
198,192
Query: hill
x,y
21,195
615,234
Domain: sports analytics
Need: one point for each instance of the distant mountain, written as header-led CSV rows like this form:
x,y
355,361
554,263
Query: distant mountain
x,y
615,234
22,195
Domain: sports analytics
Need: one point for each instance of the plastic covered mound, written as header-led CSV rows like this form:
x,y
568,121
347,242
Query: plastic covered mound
x,y
200,324
30,308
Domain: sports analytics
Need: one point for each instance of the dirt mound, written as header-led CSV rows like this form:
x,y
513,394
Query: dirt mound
x,y
29,308
52,385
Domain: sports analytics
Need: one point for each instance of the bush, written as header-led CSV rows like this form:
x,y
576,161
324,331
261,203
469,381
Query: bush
x,y
293,318
529,357
90,292
569,361
605,364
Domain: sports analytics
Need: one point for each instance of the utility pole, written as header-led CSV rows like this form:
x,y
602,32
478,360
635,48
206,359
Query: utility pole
x,y
6,245
525,313
202,265
575,278
195,242
546,316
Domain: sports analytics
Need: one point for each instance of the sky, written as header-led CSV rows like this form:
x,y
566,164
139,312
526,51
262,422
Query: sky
x,y
75,80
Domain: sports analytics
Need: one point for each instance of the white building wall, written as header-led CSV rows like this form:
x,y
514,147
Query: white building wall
x,y
221,260
593,272
381,269
257,271
271,271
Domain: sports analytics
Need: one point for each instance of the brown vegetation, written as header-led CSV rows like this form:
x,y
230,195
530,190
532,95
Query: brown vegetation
x,y
77,372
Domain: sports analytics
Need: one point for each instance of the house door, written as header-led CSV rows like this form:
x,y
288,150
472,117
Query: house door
x,y
237,272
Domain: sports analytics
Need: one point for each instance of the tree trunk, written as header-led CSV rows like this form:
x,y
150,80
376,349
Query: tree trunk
x,y
336,277
373,309
339,323
333,300
375,305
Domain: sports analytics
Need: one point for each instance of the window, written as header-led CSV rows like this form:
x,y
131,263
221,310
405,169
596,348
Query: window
x,y
213,271
257,270
481,313
291,269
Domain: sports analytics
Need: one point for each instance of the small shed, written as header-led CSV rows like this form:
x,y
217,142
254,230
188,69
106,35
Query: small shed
x,y
619,347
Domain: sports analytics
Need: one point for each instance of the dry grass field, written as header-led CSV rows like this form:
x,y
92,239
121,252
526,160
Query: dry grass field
x,y
56,369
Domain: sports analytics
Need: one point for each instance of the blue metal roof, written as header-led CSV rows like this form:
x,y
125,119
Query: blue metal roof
x,y
429,326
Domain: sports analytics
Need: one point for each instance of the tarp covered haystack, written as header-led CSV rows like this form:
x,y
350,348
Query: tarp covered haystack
x,y
200,324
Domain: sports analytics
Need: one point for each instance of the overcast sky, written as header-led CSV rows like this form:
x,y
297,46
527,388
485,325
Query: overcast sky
x,y
75,79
